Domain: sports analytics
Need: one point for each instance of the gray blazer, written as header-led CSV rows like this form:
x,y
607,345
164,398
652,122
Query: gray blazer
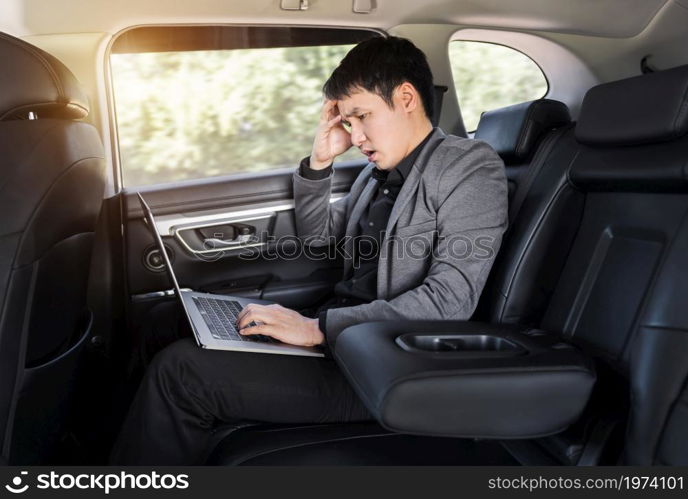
x,y
443,233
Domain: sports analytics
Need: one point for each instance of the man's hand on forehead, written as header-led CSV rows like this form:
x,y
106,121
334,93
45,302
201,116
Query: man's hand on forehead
x,y
330,112
331,138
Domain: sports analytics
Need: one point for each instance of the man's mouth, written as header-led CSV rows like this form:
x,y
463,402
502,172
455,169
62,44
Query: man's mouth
x,y
370,154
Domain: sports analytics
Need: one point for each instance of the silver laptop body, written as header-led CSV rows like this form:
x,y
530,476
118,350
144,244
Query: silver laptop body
x,y
212,317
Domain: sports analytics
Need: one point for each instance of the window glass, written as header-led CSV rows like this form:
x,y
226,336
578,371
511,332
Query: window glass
x,y
220,107
489,76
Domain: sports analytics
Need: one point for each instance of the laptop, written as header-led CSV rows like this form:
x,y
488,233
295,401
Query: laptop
x,y
213,317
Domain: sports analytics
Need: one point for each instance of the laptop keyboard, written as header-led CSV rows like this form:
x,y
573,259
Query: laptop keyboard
x,y
220,316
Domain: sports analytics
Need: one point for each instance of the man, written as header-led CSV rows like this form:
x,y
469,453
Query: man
x,y
435,207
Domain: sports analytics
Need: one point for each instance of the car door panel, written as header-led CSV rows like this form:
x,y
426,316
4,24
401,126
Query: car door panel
x,y
191,213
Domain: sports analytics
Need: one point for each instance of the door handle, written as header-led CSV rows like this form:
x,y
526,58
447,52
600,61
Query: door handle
x,y
214,237
228,235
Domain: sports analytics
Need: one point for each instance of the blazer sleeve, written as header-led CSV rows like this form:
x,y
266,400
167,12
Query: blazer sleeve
x,y
471,206
318,221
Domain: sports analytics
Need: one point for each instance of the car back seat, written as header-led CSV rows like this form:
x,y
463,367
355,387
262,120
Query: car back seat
x,y
620,193
535,140
522,136
598,256
621,295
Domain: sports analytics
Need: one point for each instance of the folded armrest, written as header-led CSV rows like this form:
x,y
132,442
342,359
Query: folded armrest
x,y
467,379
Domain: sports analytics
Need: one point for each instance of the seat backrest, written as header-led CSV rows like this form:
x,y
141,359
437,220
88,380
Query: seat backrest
x,y
52,180
535,139
518,134
621,295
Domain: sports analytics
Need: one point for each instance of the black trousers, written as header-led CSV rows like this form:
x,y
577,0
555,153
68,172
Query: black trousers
x,y
188,392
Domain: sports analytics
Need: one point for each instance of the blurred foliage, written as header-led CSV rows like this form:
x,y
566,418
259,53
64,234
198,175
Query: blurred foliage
x,y
186,115
488,76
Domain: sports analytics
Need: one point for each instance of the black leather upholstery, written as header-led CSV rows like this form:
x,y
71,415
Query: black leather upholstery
x,y
514,131
618,295
34,81
522,135
360,444
549,209
640,110
473,391
657,167
52,180
611,220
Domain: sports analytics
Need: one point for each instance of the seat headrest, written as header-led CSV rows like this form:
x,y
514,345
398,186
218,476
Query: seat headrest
x,y
513,131
34,81
639,110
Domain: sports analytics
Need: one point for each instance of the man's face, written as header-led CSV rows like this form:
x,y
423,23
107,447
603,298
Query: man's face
x,y
381,133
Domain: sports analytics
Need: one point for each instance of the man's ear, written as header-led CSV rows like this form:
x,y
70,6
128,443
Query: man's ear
x,y
408,97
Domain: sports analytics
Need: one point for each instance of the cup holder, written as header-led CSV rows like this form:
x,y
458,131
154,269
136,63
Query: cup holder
x,y
466,344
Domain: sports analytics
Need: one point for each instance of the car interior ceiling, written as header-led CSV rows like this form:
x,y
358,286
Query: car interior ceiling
x,y
575,355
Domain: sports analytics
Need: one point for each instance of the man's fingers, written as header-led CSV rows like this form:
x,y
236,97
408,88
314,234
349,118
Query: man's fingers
x,y
334,121
245,310
271,330
252,307
257,329
255,307
254,314
327,111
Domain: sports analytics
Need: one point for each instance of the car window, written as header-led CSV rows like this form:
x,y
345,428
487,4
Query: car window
x,y
489,76
207,101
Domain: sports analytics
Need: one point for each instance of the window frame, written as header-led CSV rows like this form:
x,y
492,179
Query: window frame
x,y
458,38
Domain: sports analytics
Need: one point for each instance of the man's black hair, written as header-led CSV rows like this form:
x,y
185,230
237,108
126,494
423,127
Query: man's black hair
x,y
379,65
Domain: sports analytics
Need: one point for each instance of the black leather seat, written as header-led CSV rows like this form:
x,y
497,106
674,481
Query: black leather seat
x,y
362,444
597,257
621,293
535,141
522,136
52,183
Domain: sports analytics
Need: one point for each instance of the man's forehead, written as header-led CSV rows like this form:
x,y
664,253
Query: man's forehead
x,y
357,102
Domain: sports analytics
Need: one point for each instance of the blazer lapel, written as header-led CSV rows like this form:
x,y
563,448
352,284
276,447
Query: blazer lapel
x,y
411,183
407,192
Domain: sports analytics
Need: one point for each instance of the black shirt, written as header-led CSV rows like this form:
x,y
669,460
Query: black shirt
x,y
360,286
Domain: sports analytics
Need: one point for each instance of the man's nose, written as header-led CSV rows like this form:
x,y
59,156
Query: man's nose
x,y
357,136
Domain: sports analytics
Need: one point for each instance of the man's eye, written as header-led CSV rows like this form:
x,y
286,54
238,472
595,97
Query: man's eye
x,y
362,116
